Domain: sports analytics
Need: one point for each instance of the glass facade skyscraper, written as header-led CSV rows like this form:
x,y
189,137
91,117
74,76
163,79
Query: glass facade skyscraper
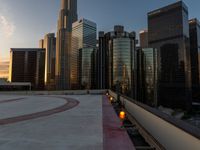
x,y
67,15
116,60
149,56
102,61
50,48
147,76
169,33
195,55
122,63
84,33
86,72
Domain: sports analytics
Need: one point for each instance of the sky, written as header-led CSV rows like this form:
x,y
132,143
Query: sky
x,y
4,69
24,22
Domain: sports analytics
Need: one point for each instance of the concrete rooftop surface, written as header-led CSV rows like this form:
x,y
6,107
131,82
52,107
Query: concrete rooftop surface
x,y
39,122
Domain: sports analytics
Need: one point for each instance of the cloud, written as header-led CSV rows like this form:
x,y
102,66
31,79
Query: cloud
x,y
6,26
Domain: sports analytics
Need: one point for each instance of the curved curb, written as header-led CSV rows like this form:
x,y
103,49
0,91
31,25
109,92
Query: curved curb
x,y
70,103
11,100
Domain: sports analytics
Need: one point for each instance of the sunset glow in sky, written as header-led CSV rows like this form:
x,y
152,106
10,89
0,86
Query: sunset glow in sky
x,y
24,22
4,66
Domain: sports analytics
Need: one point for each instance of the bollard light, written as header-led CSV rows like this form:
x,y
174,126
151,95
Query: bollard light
x,y
111,98
122,115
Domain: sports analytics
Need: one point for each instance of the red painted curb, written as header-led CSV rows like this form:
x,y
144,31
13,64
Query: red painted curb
x,y
114,138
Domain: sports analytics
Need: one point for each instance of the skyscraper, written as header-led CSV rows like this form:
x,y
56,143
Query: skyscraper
x,y
102,61
140,91
86,69
27,65
41,43
84,33
50,51
117,60
144,39
195,55
147,76
168,32
68,15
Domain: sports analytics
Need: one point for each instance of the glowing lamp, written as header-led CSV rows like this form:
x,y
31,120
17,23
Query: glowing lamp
x,y
111,98
122,115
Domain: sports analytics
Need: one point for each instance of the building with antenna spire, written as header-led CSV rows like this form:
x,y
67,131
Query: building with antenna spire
x,y
67,15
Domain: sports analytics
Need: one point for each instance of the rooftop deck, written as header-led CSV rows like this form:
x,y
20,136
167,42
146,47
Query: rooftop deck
x,y
39,122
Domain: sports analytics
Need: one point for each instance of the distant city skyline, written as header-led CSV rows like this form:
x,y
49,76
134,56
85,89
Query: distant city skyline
x,y
24,22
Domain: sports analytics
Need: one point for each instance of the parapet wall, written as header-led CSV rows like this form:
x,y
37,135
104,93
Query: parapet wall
x,y
171,133
68,92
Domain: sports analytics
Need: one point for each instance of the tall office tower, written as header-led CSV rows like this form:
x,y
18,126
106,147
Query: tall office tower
x,y
27,65
84,34
144,39
94,69
194,26
41,43
68,15
117,53
86,68
149,69
50,48
168,30
139,75
102,61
